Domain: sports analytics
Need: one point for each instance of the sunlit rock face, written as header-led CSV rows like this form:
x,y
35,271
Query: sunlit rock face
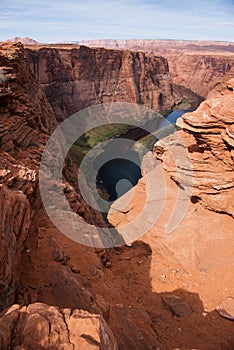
x,y
200,193
196,65
40,326
208,136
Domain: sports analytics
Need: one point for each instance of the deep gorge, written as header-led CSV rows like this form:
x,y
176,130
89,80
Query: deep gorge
x,y
115,76
160,291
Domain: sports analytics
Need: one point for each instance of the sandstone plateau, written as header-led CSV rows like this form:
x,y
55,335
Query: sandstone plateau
x,y
223,46
159,293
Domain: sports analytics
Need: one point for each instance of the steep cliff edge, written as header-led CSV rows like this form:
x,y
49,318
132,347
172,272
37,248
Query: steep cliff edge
x,y
199,159
208,135
196,65
201,241
80,77
27,121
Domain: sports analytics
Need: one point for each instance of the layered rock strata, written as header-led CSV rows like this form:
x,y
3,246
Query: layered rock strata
x,y
27,121
196,65
80,77
208,135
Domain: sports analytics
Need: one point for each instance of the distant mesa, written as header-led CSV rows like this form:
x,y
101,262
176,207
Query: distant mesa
x,y
24,41
154,45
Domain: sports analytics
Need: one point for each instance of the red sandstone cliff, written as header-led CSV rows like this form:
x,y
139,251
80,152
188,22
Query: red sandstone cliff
x,y
80,77
202,241
196,65
26,121
208,135
200,72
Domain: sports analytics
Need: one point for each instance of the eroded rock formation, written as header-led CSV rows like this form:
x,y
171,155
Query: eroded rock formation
x,y
200,72
196,65
80,77
39,326
208,135
27,121
201,241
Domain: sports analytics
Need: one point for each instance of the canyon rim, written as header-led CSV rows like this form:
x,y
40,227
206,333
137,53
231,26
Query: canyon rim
x,y
160,275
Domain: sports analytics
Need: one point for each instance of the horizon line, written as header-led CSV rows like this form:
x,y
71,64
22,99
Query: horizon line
x,y
114,39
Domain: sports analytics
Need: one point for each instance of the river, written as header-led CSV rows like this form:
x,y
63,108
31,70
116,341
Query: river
x,y
118,175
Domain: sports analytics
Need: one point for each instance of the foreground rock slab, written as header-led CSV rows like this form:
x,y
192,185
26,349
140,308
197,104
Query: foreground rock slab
x,y
40,326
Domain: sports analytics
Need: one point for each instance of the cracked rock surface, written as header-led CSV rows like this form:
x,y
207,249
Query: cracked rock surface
x,y
40,326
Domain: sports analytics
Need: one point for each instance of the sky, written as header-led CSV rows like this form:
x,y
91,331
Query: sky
x,y
69,20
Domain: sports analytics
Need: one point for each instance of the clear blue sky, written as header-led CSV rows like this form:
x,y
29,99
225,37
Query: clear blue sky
x,y
60,20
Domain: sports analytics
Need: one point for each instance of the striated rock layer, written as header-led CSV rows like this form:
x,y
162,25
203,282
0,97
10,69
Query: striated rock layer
x,y
208,135
27,121
200,71
196,65
79,77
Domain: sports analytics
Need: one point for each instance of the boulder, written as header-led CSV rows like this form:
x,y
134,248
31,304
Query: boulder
x,y
40,326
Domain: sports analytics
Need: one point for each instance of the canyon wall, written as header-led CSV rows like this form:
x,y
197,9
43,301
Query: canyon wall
x,y
80,77
200,72
27,120
196,65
